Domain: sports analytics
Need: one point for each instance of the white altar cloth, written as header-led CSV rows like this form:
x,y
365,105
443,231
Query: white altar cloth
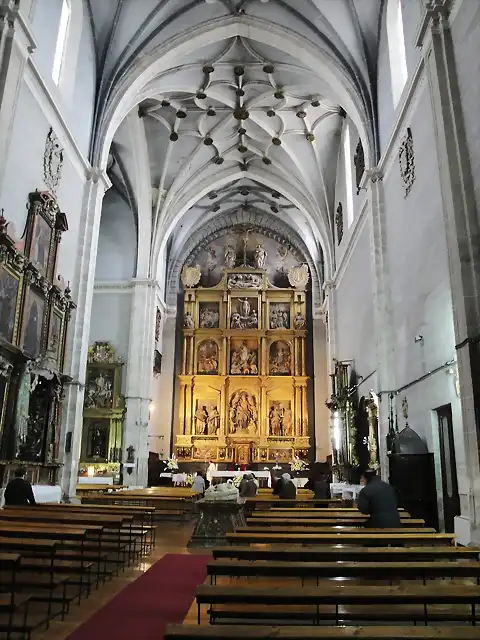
x,y
234,474
42,493
177,478
95,480
347,491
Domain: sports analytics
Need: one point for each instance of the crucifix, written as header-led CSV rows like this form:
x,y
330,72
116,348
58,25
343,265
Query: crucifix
x,y
245,237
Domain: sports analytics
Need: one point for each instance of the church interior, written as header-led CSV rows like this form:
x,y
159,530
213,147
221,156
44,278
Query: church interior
x,y
239,319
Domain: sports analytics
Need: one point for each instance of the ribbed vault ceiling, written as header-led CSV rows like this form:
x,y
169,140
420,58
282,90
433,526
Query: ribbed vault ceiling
x,y
236,122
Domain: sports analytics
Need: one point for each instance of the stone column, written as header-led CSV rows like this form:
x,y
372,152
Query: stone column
x,y
16,45
321,389
79,330
383,326
166,381
463,237
138,388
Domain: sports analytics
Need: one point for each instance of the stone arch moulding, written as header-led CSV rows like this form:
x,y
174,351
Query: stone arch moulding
x,y
316,220
270,226
125,95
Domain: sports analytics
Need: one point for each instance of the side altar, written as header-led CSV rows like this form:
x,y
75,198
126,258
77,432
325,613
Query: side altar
x,y
243,382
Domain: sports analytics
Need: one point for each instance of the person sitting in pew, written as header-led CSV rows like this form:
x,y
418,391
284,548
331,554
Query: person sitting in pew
x,y
199,486
288,490
377,499
19,492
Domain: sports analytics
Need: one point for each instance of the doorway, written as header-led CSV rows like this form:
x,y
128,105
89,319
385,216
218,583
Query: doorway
x,y
451,499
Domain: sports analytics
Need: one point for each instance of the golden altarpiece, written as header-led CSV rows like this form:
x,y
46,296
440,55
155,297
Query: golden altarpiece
x,y
243,385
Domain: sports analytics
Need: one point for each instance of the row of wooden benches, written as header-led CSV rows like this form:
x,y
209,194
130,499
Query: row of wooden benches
x,y
54,554
330,544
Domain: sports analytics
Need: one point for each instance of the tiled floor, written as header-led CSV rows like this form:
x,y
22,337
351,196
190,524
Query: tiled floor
x,y
171,538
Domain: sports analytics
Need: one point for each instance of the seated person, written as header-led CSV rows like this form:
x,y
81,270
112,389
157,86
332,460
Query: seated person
x,y
288,489
198,486
19,492
248,487
320,486
378,500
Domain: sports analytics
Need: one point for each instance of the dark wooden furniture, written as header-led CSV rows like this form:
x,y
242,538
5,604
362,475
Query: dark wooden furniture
x,y
376,539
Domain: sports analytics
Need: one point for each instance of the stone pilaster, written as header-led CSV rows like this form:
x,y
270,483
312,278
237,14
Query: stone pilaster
x,y
16,45
463,235
164,414
383,326
139,379
77,348
321,389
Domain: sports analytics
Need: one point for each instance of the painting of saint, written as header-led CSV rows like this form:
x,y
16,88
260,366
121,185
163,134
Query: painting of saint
x,y
244,359
280,361
33,323
54,335
41,245
207,359
99,389
8,303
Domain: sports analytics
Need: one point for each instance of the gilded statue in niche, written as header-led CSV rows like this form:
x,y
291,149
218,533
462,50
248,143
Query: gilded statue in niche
x,y
299,321
243,413
246,314
244,358
207,359
279,315
188,321
280,419
280,360
207,419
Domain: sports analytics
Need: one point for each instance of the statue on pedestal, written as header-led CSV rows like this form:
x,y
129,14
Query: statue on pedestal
x,y
260,257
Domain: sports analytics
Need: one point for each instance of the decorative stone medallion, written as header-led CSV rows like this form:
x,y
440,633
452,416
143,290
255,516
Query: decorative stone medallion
x,y
298,276
52,161
191,276
407,161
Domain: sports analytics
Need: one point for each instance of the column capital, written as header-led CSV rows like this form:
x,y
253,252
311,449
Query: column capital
x,y
329,285
435,18
373,175
98,175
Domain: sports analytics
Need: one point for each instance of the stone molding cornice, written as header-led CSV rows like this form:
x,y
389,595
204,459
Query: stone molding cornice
x,y
96,174
436,17
122,286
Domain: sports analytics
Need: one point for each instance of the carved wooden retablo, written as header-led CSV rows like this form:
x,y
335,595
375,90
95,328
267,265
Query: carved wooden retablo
x,y
243,384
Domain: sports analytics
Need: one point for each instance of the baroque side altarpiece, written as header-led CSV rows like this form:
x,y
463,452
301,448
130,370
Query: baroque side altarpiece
x,y
243,383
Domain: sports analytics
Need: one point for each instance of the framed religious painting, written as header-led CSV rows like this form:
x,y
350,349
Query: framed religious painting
x,y
33,322
9,290
43,221
55,337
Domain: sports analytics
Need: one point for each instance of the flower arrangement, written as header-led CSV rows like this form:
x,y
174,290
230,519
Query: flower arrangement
x,y
277,467
172,464
237,480
298,465
189,480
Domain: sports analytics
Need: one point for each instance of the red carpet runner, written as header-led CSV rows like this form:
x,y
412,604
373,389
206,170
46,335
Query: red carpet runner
x,y
161,596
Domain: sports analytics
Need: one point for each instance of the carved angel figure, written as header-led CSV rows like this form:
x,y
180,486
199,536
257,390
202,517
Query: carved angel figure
x,y
230,257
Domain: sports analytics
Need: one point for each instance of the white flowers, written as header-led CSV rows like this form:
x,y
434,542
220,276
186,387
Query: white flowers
x,y
298,465
172,464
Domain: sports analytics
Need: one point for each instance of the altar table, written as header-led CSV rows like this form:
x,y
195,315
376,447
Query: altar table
x,y
228,475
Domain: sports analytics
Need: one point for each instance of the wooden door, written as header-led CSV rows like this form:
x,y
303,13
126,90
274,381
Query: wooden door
x,y
451,499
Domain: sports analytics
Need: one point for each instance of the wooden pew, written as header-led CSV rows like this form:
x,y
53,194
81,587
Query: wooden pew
x,y
411,570
142,525
348,554
359,529
165,506
11,602
341,596
240,632
316,514
319,511
255,520
375,539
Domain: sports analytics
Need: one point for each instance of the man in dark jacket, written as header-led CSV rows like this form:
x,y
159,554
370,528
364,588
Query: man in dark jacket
x,y
377,499
19,492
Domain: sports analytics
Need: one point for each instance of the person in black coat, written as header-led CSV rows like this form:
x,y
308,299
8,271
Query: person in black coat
x,y
19,492
377,499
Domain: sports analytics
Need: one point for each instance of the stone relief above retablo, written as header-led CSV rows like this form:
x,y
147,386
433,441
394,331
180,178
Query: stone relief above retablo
x,y
191,276
249,250
298,276
243,413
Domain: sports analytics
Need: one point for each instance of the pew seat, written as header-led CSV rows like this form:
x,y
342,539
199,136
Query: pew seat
x,y
373,539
